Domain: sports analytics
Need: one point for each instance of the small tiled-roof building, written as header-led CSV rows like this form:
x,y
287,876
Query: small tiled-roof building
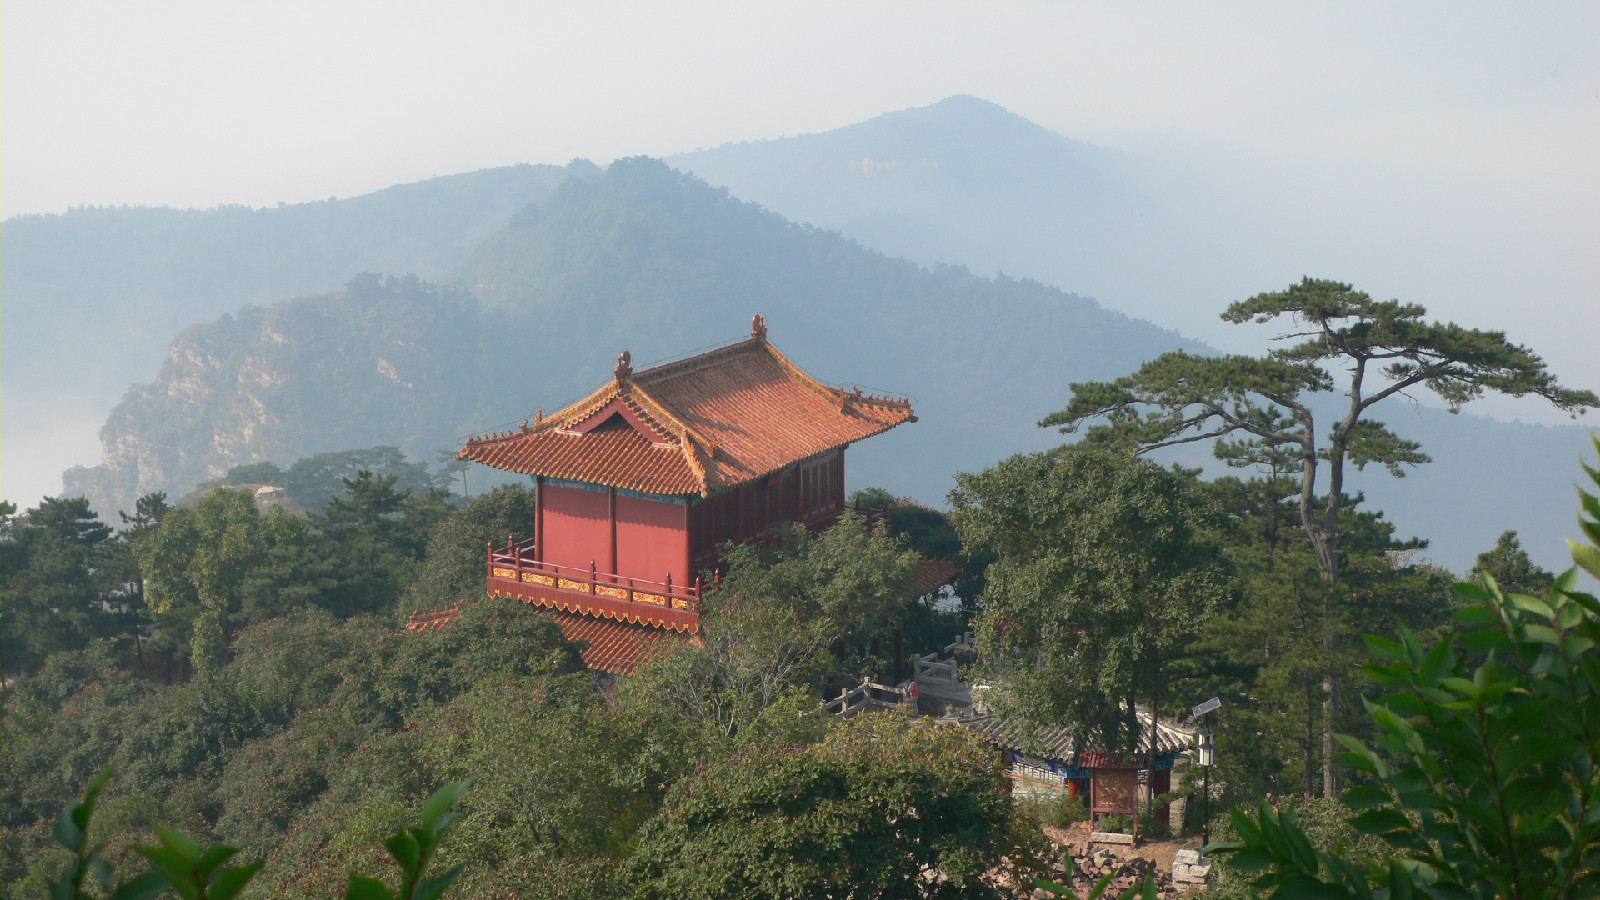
x,y
641,481
1054,758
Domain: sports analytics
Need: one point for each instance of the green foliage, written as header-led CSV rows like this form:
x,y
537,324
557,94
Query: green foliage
x,y
870,811
1263,412
1264,653
1056,812
850,582
1178,398
1104,570
453,567
1483,781
57,581
756,660
1115,823
1509,566
1326,825
178,865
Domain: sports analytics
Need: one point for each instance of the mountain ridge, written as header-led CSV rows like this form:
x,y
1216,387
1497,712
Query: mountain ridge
x,y
675,262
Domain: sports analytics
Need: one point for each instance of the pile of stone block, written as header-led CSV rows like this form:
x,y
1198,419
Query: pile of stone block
x,y
1190,869
1090,864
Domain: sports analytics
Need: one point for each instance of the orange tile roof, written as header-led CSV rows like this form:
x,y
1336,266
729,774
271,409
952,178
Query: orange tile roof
x,y
697,425
933,574
608,645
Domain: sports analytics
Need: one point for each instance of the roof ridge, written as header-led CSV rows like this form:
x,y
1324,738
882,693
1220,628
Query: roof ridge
x,y
659,410
675,367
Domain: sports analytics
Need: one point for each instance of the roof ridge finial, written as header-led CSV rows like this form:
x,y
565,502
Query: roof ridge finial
x,y
624,367
758,327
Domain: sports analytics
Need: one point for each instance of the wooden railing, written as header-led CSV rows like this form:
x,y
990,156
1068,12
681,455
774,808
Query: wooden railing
x,y
517,561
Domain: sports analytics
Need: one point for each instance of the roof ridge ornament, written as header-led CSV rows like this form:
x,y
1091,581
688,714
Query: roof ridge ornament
x,y
624,367
758,328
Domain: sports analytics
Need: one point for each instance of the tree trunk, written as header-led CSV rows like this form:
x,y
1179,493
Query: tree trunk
x,y
1330,709
1310,742
1330,694
1150,756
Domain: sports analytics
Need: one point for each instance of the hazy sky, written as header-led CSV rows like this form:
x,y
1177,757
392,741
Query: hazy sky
x,y
1450,149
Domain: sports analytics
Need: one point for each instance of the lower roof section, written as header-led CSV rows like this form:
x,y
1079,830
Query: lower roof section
x,y
608,645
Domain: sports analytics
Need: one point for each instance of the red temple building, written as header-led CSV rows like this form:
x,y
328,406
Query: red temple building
x,y
643,480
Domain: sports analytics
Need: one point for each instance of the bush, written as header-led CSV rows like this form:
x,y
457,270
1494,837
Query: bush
x,y
1155,827
1114,823
1069,811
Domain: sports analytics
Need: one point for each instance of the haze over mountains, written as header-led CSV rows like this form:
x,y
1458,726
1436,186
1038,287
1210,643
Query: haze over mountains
x,y
641,258
92,298
547,283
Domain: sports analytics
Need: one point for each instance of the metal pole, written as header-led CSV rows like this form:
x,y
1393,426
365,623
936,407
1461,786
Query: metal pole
x,y
1205,827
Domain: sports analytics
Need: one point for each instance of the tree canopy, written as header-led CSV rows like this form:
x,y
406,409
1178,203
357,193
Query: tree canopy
x,y
1104,569
1263,404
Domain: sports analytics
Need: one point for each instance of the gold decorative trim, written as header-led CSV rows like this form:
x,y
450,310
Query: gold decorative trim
x,y
505,573
569,585
678,603
615,593
532,578
657,599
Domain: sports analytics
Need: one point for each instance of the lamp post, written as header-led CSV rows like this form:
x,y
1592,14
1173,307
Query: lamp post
x,y
1206,751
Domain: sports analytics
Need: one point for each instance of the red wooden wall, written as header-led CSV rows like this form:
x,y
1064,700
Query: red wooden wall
x,y
651,540
648,538
577,527
809,492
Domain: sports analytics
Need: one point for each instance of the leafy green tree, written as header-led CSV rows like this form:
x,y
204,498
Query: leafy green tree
x,y
453,564
407,672
123,560
60,726
1510,567
755,665
854,581
1263,652
178,865
881,808
1105,570
317,479
374,534
562,782
930,532
203,557
1264,405
55,581
1483,783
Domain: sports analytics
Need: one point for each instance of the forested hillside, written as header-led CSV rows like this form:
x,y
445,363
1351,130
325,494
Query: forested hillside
x,y
92,298
640,258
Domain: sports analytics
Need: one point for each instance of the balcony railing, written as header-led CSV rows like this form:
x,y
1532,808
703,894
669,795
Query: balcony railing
x,y
517,562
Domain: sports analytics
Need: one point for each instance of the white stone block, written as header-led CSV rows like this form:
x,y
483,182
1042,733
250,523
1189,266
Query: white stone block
x,y
1187,857
1110,837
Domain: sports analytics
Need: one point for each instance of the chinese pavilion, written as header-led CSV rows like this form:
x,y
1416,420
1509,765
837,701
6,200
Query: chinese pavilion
x,y
640,482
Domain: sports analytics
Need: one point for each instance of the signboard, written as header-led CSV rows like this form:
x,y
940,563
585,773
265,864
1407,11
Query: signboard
x,y
1206,707
1116,790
